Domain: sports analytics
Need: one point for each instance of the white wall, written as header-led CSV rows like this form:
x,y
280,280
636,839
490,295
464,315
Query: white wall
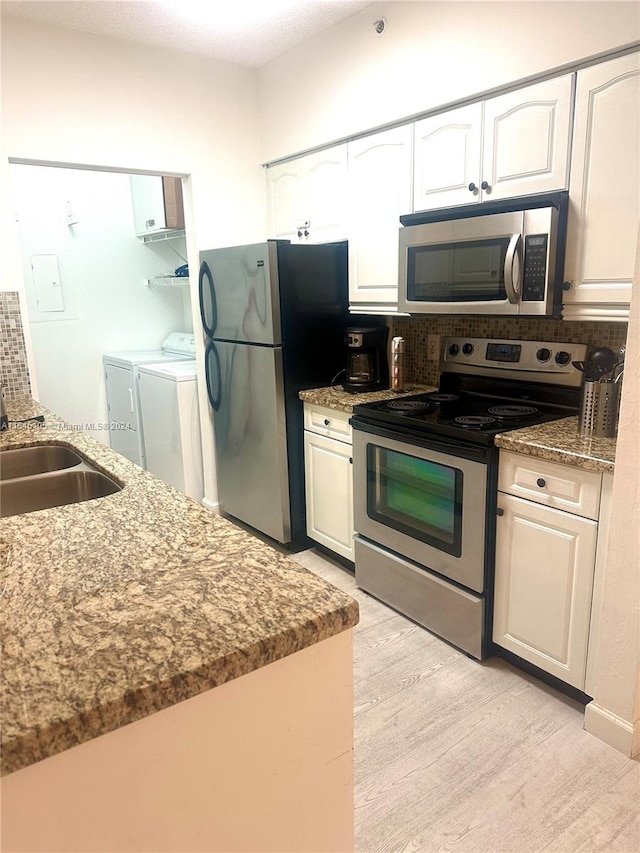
x,y
349,80
102,267
73,98
614,715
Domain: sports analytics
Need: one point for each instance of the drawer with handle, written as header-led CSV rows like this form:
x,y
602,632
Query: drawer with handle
x,y
327,422
550,483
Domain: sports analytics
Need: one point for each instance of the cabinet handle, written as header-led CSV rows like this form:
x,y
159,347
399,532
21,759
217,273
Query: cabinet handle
x,y
472,187
327,421
485,186
350,460
499,511
299,233
540,482
567,285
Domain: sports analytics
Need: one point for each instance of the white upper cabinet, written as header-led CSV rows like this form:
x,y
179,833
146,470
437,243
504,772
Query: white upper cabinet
x,y
447,158
379,192
514,144
527,137
157,204
604,191
307,197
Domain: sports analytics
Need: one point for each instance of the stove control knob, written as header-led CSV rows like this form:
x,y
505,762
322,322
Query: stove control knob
x,y
543,354
454,349
467,349
562,358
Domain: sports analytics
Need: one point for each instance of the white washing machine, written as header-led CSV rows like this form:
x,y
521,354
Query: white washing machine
x,y
123,400
171,424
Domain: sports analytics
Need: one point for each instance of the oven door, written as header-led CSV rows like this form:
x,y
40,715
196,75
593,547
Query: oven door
x,y
424,504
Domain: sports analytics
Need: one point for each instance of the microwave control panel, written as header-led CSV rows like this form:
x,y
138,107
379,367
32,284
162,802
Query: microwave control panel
x,y
534,277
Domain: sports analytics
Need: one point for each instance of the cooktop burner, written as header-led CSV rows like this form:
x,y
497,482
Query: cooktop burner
x,y
513,411
438,398
474,421
414,407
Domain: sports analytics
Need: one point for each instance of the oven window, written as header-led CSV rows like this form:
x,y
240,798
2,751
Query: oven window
x,y
471,271
420,498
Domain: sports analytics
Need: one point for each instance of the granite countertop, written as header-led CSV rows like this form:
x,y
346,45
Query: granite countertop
x,y
559,441
118,607
334,397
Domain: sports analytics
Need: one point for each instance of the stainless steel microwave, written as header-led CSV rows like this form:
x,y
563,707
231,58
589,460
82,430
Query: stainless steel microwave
x,y
504,257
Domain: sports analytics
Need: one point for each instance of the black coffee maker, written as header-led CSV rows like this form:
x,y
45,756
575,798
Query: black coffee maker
x,y
367,364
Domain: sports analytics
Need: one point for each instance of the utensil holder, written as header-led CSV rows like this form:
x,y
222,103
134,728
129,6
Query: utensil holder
x,y
599,409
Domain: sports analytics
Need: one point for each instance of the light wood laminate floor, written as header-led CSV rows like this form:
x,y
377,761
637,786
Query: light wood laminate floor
x,y
457,755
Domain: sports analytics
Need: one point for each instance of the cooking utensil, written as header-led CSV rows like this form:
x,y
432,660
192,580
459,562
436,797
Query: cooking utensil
x,y
603,360
599,364
579,365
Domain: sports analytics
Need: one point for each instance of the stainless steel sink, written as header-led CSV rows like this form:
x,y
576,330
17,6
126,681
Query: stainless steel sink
x,y
48,475
28,494
26,461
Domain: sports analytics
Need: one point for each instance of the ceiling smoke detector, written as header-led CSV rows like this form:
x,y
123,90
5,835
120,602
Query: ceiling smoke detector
x,y
380,26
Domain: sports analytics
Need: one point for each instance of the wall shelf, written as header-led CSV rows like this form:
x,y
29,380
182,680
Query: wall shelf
x,y
169,280
170,234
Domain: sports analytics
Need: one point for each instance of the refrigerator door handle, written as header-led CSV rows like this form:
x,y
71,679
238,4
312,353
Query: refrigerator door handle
x,y
208,303
211,353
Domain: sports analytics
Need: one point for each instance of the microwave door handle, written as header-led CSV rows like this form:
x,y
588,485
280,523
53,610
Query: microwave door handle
x,y
513,269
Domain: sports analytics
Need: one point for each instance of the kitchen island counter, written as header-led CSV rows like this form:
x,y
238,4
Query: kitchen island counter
x,y
560,441
116,608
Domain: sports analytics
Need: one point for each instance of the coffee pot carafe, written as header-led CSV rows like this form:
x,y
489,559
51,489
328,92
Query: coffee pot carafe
x,y
367,366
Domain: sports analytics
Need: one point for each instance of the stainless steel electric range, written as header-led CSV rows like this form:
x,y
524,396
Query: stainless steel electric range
x,y
425,479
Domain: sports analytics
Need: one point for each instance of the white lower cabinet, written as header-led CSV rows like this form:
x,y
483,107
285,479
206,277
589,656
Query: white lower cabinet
x,y
329,479
545,562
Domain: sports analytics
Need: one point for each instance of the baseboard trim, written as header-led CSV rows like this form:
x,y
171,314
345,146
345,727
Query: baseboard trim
x,y
609,728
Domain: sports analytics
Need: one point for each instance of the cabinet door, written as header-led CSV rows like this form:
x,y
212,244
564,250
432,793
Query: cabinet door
x,y
285,199
329,493
148,203
307,197
447,158
122,406
605,200
526,140
544,579
325,194
379,182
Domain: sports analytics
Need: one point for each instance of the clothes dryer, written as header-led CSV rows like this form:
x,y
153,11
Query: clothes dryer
x,y
171,424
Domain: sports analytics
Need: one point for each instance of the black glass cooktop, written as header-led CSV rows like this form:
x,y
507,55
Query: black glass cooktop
x,y
476,418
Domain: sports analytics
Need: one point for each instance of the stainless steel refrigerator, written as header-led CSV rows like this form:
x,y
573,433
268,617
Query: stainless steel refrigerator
x,y
274,315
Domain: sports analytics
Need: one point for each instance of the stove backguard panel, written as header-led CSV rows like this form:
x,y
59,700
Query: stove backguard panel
x,y
415,330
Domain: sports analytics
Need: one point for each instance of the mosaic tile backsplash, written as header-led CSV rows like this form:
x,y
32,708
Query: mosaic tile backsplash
x,y
14,369
414,330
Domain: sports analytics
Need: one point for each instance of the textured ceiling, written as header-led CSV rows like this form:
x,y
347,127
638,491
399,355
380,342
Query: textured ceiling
x,y
246,32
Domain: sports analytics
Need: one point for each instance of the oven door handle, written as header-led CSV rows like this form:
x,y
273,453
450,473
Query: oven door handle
x,y
439,444
513,269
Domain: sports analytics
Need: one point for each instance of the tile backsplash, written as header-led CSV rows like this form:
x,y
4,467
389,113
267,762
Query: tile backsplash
x,y
415,330
14,368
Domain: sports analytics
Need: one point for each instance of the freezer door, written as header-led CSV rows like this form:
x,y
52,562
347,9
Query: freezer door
x,y
250,435
239,294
